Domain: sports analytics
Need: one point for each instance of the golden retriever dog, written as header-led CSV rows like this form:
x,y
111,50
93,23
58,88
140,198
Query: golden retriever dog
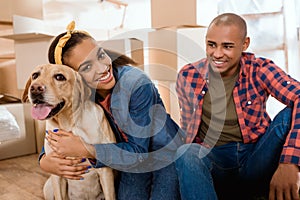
x,y
59,96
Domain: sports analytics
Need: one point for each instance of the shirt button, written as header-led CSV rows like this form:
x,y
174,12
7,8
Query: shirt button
x,y
249,102
194,109
203,92
288,82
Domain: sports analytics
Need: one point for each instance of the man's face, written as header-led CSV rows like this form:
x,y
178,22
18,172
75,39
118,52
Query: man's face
x,y
224,46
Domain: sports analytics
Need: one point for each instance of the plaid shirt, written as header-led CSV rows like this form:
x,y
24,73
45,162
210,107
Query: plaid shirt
x,y
258,78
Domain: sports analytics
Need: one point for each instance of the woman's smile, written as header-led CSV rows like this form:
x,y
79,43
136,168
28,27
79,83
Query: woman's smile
x,y
105,76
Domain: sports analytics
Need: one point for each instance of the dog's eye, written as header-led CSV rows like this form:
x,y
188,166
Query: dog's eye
x,y
60,77
35,75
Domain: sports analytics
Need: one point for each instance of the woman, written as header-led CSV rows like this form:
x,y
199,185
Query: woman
x,y
147,138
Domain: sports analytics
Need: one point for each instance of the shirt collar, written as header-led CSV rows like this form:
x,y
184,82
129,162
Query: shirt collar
x,y
246,60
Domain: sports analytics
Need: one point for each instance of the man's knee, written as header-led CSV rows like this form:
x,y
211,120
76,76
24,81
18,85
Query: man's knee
x,y
190,154
184,153
284,117
281,124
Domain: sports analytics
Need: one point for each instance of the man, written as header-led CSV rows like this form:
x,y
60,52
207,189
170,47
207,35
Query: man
x,y
234,150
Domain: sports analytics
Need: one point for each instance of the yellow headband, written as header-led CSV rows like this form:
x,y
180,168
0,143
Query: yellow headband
x,y
63,40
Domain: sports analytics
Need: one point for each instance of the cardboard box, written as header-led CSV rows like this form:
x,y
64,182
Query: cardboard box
x,y
40,130
7,46
170,49
169,97
7,51
8,78
31,39
30,50
26,144
166,13
29,8
132,47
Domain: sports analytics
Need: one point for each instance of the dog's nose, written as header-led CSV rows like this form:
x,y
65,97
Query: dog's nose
x,y
37,89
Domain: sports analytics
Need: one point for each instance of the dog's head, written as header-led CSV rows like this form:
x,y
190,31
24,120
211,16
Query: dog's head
x,y
51,89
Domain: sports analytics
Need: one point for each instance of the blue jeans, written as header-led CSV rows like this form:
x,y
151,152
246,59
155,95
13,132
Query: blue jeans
x,y
157,185
234,170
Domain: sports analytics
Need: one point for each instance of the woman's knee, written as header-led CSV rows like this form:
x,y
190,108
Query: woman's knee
x,y
134,185
165,184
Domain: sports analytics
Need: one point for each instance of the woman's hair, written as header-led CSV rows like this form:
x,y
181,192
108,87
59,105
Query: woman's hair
x,y
76,38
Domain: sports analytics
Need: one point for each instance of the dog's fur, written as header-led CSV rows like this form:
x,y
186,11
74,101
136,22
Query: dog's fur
x,y
61,89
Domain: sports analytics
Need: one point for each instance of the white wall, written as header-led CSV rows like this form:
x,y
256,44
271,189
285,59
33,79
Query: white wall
x,y
91,15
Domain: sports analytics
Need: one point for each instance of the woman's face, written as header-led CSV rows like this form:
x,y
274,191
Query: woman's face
x,y
93,64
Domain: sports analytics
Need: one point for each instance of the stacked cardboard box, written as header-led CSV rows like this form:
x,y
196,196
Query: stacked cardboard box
x,y
31,50
177,39
29,8
8,78
26,144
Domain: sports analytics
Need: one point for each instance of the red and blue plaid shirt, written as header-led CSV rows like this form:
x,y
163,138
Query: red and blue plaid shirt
x,y
258,78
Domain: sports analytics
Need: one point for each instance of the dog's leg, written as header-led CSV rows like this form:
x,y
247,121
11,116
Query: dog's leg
x,y
107,182
48,190
59,185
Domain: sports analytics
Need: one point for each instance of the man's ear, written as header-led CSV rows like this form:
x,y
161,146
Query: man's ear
x,y
25,98
246,43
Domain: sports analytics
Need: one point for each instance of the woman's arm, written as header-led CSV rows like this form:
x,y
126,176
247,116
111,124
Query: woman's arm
x,y
67,168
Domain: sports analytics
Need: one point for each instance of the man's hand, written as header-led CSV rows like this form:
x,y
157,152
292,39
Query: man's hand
x,y
285,183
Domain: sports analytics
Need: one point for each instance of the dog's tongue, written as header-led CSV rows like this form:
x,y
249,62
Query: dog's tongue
x,y
40,111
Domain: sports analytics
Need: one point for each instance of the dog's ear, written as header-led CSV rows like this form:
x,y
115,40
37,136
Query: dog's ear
x,y
81,91
25,98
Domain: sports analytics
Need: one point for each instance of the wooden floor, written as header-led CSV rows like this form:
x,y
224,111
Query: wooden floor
x,y
21,178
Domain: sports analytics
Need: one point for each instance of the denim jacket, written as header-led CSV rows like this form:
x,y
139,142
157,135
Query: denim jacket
x,y
137,109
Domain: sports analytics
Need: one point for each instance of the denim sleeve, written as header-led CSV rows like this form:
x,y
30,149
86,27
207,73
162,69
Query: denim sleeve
x,y
41,154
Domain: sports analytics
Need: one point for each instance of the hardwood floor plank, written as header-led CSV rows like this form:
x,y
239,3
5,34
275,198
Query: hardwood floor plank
x,y
21,178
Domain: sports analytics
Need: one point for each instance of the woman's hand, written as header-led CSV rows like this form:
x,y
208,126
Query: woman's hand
x,y
67,168
66,144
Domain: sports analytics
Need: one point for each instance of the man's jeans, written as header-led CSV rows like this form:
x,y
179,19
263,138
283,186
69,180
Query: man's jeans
x,y
234,170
